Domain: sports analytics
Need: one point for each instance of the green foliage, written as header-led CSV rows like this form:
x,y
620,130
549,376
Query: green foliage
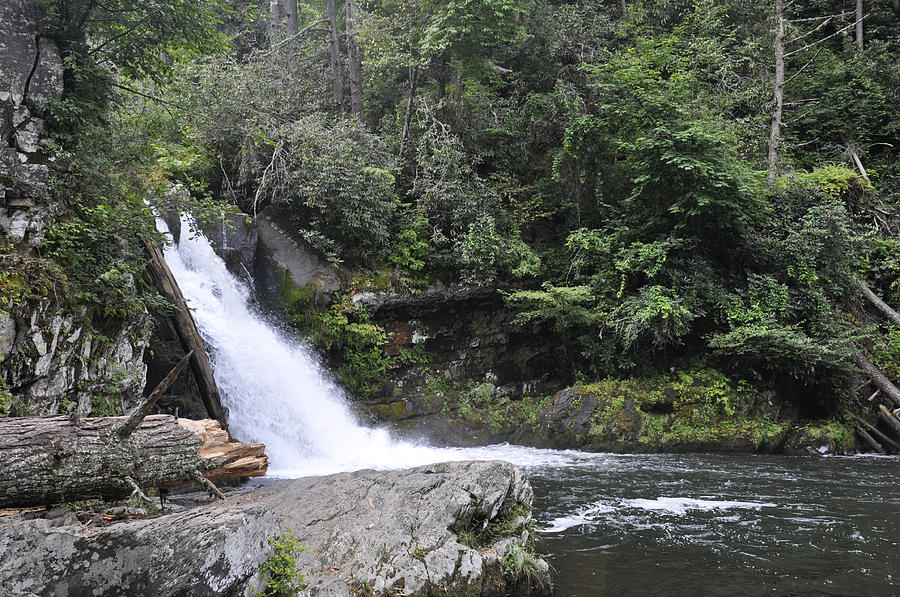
x,y
410,251
479,533
836,180
359,343
6,400
142,39
469,27
604,172
24,277
886,352
282,579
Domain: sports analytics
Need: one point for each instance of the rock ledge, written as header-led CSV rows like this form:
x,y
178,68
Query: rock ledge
x,y
368,533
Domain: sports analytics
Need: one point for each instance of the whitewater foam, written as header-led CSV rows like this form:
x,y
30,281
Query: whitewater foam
x,y
670,506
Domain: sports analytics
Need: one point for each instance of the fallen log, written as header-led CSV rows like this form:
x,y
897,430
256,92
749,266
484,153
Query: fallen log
x,y
888,417
878,378
186,329
874,431
48,460
869,440
886,310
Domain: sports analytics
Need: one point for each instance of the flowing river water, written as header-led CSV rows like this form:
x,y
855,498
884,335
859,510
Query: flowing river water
x,y
693,525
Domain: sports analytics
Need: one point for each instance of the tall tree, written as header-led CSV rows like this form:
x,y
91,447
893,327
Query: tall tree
x,y
275,21
354,62
859,25
290,9
778,107
334,51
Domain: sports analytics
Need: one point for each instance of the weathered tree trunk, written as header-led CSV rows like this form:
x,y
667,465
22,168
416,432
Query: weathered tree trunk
x,y
888,417
878,378
354,61
275,21
47,460
859,165
869,440
876,302
187,333
778,108
859,25
885,439
623,8
334,50
290,11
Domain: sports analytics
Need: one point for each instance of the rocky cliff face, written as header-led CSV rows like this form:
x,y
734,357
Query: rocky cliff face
x,y
456,529
54,356
31,74
56,359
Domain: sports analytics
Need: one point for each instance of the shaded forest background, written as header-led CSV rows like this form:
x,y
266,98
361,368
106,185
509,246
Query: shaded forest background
x,y
655,183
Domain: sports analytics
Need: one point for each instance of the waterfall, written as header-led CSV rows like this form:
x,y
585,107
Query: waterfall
x,y
276,390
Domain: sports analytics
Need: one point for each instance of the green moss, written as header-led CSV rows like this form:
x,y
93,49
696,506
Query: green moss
x,y
836,433
6,400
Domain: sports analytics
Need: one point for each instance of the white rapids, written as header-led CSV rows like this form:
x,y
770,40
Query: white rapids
x,y
278,394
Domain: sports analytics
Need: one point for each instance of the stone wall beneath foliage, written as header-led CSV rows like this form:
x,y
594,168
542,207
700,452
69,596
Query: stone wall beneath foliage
x,y
459,338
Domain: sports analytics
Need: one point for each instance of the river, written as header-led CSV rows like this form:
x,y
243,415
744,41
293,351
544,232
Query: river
x,y
692,525
705,525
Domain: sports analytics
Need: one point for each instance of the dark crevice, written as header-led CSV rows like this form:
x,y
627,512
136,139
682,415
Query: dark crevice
x,y
34,67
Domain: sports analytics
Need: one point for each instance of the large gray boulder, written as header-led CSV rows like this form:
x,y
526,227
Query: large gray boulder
x,y
368,533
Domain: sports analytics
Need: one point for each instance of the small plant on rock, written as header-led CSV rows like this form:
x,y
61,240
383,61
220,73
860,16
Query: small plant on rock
x,y
280,569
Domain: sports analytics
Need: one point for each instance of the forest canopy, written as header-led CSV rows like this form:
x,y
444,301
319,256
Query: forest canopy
x,y
648,180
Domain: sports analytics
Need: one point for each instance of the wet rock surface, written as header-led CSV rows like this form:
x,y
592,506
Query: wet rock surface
x,y
366,533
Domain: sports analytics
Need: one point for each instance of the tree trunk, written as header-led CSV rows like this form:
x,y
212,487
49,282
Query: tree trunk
x,y
48,460
290,10
354,62
858,163
859,25
187,332
869,440
778,109
876,302
888,417
878,378
623,8
275,22
334,50
887,441
410,102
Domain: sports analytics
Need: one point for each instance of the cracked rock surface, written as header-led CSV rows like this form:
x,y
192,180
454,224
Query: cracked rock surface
x,y
367,533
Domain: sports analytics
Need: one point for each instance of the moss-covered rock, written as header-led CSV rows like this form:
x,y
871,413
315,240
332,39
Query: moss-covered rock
x,y
820,437
700,410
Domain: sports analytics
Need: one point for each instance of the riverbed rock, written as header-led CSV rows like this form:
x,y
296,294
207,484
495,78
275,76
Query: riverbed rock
x,y
366,533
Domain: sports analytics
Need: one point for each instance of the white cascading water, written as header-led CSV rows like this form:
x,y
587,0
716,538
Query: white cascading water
x,y
277,393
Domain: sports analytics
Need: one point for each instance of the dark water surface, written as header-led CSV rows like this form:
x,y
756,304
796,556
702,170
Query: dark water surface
x,y
708,525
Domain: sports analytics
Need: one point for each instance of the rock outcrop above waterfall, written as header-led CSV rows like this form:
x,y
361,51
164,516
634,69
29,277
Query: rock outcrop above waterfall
x,y
455,529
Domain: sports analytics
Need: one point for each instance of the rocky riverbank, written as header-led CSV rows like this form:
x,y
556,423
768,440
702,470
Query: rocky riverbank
x,y
455,529
690,411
